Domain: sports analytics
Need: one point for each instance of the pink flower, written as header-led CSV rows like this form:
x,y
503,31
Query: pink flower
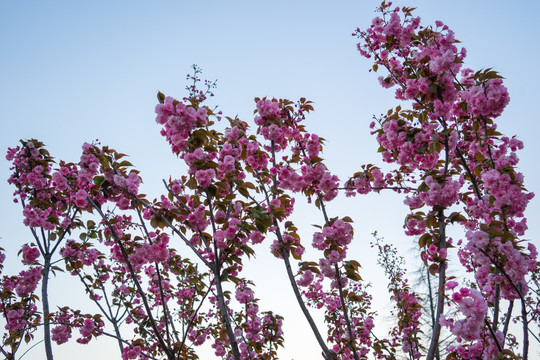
x,y
256,237
59,181
299,251
80,199
60,334
133,182
15,320
28,281
131,353
268,108
487,99
306,279
30,254
86,331
205,177
243,294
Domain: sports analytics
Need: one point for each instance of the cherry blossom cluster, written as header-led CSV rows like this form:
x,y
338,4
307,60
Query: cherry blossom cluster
x,y
258,334
100,177
348,327
475,342
43,205
179,121
255,329
483,250
371,178
17,302
302,170
333,240
88,326
448,145
214,204
359,302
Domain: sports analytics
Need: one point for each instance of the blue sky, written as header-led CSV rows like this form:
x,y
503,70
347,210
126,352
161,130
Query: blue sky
x,y
72,72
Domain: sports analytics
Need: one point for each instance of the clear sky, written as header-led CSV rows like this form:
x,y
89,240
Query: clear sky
x,y
73,71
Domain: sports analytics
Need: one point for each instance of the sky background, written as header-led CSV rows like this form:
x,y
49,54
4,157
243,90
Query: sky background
x,y
72,72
